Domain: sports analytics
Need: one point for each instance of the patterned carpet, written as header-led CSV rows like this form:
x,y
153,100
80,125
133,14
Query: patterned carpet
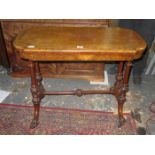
x,y
15,120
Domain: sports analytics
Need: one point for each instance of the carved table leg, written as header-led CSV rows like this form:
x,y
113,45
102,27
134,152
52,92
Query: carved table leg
x,y
39,81
37,92
120,89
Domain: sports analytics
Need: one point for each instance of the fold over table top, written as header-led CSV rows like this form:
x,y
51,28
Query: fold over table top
x,y
79,44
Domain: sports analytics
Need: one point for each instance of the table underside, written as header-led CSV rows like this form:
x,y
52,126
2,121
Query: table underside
x,y
118,90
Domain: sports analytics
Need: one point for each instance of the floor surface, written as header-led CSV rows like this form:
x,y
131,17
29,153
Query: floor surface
x,y
139,97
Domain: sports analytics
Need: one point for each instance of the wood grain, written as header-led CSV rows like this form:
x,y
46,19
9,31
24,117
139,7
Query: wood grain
x,y
79,44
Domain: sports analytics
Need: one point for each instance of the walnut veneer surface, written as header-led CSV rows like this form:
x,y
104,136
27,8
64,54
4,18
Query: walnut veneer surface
x,y
79,44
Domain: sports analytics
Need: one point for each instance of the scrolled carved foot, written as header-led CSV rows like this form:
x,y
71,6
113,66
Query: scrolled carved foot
x,y
34,124
121,122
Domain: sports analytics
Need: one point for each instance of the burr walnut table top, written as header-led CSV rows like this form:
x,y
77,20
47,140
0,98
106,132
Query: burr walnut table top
x,y
79,44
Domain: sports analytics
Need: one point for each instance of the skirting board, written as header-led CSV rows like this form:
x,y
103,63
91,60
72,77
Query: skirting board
x,y
3,95
106,83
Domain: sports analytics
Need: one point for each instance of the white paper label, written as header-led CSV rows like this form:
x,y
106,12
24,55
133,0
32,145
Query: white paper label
x,y
80,46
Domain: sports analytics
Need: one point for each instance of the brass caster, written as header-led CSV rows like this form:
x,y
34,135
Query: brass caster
x,y
34,124
121,122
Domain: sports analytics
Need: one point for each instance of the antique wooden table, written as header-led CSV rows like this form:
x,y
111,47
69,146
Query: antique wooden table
x,y
79,44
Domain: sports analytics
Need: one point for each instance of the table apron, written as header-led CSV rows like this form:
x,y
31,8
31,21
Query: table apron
x,y
43,56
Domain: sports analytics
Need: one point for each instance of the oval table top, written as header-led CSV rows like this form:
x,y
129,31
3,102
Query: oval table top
x,y
79,44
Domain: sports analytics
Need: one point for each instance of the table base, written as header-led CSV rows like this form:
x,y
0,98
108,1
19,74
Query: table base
x,y
118,90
